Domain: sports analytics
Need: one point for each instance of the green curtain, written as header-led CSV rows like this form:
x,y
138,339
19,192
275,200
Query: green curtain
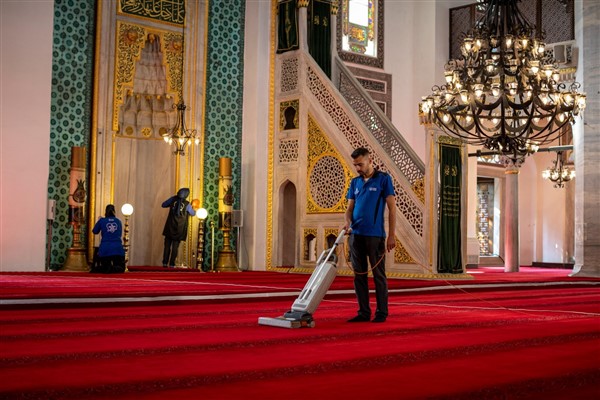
x,y
449,247
319,33
288,26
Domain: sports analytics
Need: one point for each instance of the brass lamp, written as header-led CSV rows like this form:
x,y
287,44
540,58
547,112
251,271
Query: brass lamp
x,y
126,210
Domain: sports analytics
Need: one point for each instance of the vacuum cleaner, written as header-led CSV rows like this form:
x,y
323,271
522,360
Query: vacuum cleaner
x,y
301,313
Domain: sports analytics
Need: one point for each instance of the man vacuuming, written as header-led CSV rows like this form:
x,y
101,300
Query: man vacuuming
x,y
368,195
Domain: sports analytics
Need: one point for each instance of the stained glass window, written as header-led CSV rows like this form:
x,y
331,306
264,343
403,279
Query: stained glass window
x,y
359,24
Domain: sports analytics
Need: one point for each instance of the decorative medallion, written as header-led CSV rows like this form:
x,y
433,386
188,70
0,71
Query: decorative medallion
x,y
328,178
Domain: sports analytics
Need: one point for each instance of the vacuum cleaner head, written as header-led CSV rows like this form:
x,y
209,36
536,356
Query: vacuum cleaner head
x,y
300,316
283,322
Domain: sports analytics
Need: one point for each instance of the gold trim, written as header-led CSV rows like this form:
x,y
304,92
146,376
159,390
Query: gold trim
x,y
449,140
203,116
305,248
93,137
393,275
334,7
270,162
418,188
112,167
295,104
327,232
432,206
401,255
127,52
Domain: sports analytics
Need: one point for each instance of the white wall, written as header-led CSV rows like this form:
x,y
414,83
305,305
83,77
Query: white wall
x,y
551,203
255,134
416,50
26,68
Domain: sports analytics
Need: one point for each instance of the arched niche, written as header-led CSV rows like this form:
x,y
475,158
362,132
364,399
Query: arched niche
x,y
287,222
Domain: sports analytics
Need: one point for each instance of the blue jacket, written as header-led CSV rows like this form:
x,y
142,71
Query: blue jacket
x,y
110,243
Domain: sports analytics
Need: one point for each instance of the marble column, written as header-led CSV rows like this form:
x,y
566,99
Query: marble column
x,y
587,142
303,24
473,247
511,219
333,27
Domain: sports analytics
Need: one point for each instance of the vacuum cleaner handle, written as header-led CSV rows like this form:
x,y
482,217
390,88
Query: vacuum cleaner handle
x,y
335,244
340,237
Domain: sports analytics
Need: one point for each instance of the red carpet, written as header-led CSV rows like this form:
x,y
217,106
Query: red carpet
x,y
529,335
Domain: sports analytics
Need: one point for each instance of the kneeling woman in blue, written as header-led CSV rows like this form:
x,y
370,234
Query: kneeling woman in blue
x,y
111,254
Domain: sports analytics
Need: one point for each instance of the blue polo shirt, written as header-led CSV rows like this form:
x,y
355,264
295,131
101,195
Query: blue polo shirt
x,y
369,203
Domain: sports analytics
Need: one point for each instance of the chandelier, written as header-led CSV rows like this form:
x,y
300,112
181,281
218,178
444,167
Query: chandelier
x,y
180,135
559,174
502,93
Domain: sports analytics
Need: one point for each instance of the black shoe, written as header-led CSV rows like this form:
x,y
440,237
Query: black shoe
x,y
359,318
378,319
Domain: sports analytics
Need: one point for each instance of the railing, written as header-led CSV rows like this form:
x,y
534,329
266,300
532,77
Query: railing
x,y
356,121
378,124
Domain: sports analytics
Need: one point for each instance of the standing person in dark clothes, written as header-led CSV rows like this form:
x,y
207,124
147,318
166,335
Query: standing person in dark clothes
x,y
176,226
368,195
111,253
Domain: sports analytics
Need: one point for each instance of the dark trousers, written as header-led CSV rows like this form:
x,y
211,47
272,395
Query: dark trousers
x,y
111,264
170,251
365,250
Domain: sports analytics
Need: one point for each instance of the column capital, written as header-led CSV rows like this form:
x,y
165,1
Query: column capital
x,y
335,6
511,166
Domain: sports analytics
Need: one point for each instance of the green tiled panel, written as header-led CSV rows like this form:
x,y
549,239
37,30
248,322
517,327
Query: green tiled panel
x,y
72,69
224,91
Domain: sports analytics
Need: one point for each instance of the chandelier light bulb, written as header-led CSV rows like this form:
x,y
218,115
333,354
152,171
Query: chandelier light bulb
x,y
568,98
541,48
546,174
524,42
478,90
534,67
464,96
468,44
448,75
